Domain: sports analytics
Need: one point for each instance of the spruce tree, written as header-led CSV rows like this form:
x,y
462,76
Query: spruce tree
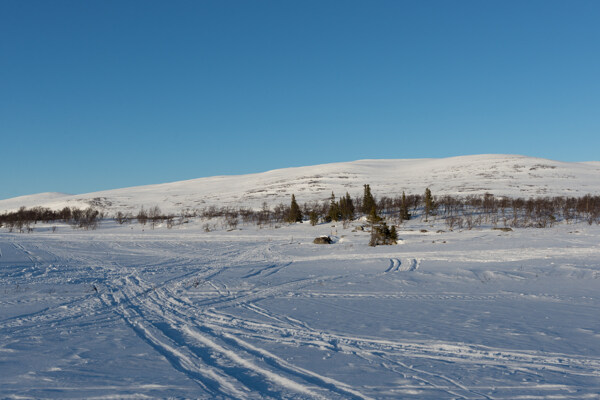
x,y
334,209
404,214
314,217
373,217
393,235
295,214
429,203
368,200
382,234
346,207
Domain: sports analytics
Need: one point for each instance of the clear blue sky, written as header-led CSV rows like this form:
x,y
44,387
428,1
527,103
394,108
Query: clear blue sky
x,y
105,94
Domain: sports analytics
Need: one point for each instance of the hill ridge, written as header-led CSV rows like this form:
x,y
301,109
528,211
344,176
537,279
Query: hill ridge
x,y
500,174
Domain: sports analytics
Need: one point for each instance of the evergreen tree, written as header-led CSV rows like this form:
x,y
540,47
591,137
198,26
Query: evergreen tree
x,y
346,207
334,209
404,214
373,217
393,235
383,235
295,214
314,217
368,202
429,203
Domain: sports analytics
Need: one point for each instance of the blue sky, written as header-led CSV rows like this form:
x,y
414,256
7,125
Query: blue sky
x,y
105,94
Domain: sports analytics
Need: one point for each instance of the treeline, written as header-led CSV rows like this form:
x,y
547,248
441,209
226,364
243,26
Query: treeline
x,y
540,212
457,212
24,219
477,210
153,216
344,209
461,212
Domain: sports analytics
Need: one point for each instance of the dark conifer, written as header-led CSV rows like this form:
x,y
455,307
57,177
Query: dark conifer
x,y
393,235
346,208
314,217
383,235
429,203
334,209
373,217
404,214
295,214
368,202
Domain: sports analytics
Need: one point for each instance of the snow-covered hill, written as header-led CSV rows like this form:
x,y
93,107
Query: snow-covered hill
x,y
509,175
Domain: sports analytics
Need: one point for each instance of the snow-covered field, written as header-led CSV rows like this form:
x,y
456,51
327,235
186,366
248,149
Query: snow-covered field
x,y
264,313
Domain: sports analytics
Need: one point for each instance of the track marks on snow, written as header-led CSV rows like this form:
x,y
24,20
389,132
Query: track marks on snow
x,y
399,356
408,264
265,271
244,356
394,265
194,344
180,357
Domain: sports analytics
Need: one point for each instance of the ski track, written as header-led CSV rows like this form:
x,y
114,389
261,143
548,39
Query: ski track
x,y
203,339
193,350
221,352
213,381
393,352
409,264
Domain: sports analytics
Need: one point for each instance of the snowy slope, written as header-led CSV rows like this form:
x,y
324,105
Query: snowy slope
x,y
127,312
509,175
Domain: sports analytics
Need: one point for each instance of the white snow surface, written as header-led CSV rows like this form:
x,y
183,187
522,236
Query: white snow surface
x,y
129,312
502,175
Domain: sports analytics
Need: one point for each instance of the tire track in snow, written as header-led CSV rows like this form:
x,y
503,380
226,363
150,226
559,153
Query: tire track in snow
x,y
169,329
500,358
394,264
456,389
322,339
87,305
394,352
411,264
408,265
212,380
266,271
262,293
285,320
414,264
208,326
205,336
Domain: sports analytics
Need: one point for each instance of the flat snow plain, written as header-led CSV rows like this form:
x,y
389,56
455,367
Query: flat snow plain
x,y
264,313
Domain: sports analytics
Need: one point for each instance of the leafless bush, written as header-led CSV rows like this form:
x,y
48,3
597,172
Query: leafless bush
x,y
120,218
231,219
469,221
170,222
142,216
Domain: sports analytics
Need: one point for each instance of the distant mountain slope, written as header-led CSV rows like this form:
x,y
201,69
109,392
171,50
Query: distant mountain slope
x,y
509,175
